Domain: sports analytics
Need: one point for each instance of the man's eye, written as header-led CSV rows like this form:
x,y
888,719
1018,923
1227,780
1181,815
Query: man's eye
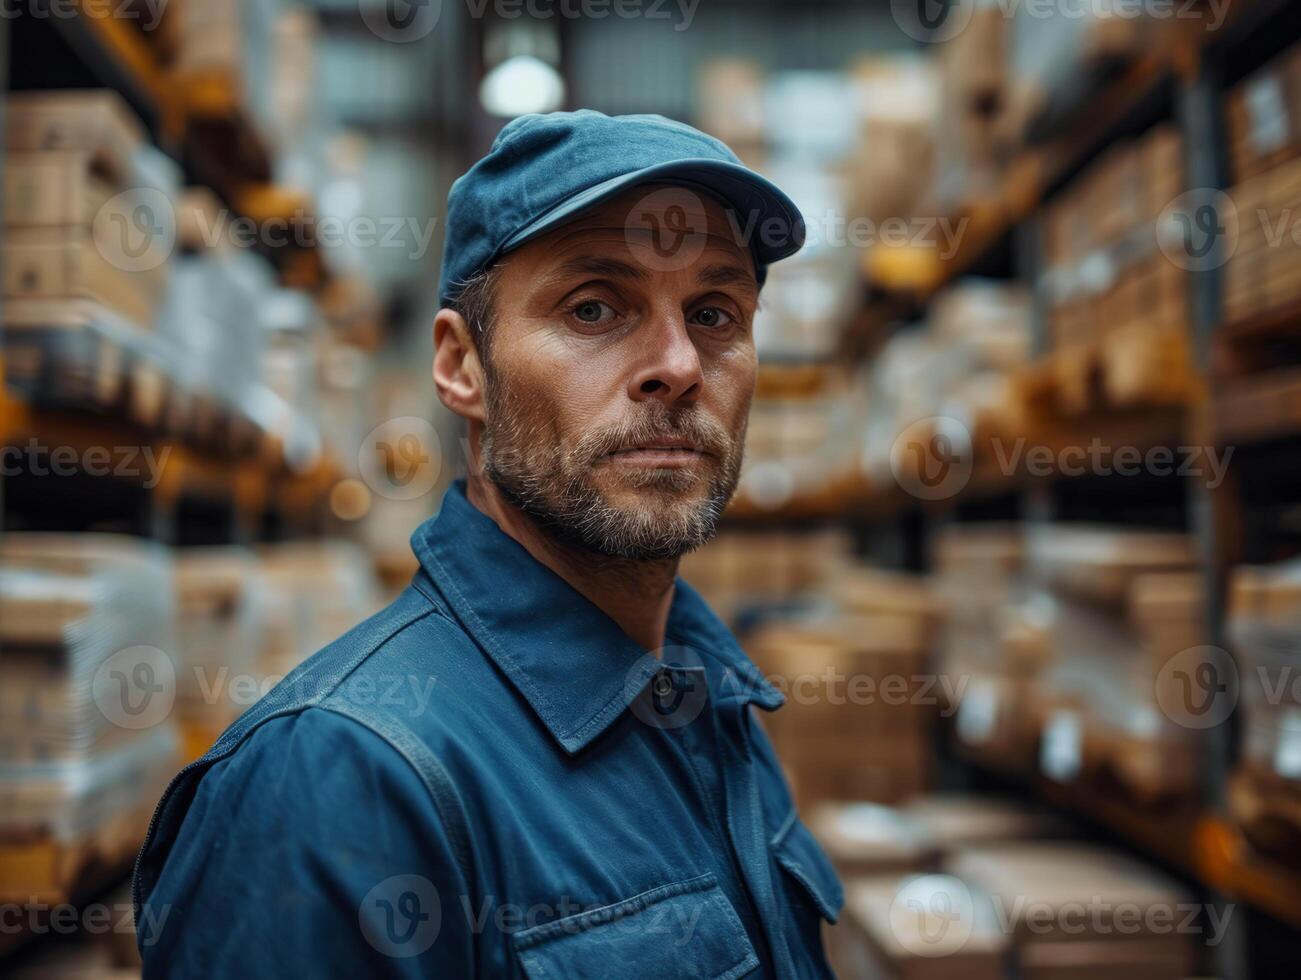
x,y
592,311
712,317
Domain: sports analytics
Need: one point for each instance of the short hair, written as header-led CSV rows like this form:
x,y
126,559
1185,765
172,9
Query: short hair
x,y
476,302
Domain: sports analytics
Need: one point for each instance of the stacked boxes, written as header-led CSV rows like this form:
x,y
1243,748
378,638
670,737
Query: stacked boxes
x,y
793,444
958,369
869,838
970,887
1125,616
212,310
1265,628
729,105
259,61
893,157
978,577
1106,272
1115,286
1074,911
313,593
1261,273
86,690
969,148
860,702
87,208
1073,641
218,633
741,569
918,927
1264,123
1263,116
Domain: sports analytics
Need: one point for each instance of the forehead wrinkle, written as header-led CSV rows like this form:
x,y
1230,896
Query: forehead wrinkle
x,y
591,265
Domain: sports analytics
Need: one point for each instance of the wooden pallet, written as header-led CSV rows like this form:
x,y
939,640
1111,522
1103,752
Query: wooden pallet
x,y
80,363
49,871
66,368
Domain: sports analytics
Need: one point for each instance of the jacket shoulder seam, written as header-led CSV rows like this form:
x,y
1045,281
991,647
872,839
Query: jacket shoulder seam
x,y
428,768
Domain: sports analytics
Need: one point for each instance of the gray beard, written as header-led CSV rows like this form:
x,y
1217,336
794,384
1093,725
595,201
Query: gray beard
x,y
554,486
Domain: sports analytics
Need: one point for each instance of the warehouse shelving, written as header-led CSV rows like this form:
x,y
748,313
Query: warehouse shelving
x,y
1190,841
216,475
202,118
916,273
245,488
1211,395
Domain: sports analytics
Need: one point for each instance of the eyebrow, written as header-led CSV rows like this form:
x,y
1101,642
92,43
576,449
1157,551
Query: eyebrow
x,y
728,275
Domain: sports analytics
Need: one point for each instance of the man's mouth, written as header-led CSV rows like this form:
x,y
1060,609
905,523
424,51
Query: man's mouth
x,y
659,452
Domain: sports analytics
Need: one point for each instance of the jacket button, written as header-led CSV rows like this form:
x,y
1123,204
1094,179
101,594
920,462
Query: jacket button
x,y
662,686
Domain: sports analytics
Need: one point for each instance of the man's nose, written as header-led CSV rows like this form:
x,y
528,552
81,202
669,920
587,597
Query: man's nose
x,y
669,368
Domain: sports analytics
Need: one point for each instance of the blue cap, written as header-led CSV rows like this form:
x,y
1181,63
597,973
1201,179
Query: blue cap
x,y
545,170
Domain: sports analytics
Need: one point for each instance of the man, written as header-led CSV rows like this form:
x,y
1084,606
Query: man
x,y
541,760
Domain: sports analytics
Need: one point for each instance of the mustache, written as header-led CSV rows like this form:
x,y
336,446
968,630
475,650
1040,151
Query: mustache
x,y
702,432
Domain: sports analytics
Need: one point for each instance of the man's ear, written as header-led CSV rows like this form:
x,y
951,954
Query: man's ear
x,y
458,372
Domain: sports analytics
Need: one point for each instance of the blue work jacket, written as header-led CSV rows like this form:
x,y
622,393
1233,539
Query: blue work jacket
x,y
489,778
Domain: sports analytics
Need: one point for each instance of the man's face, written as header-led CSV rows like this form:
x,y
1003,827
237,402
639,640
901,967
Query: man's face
x,y
619,372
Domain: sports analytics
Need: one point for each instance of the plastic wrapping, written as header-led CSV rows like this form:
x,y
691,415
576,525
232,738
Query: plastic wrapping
x,y
314,593
1265,631
220,595
957,367
1101,564
81,618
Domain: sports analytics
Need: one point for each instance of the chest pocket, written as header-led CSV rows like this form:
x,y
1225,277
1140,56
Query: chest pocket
x,y
813,892
684,931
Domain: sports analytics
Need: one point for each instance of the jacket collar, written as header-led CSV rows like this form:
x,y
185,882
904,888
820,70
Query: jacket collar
x,y
573,664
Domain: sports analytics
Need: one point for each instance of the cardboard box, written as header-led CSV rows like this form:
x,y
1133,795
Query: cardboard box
x,y
97,122
53,188
929,927
885,769
65,263
729,102
1263,113
1082,911
950,821
869,838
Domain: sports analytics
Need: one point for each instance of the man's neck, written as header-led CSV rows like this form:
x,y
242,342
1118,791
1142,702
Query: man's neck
x,y
635,594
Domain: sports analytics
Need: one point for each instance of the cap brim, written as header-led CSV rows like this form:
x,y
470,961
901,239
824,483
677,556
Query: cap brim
x,y
754,199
